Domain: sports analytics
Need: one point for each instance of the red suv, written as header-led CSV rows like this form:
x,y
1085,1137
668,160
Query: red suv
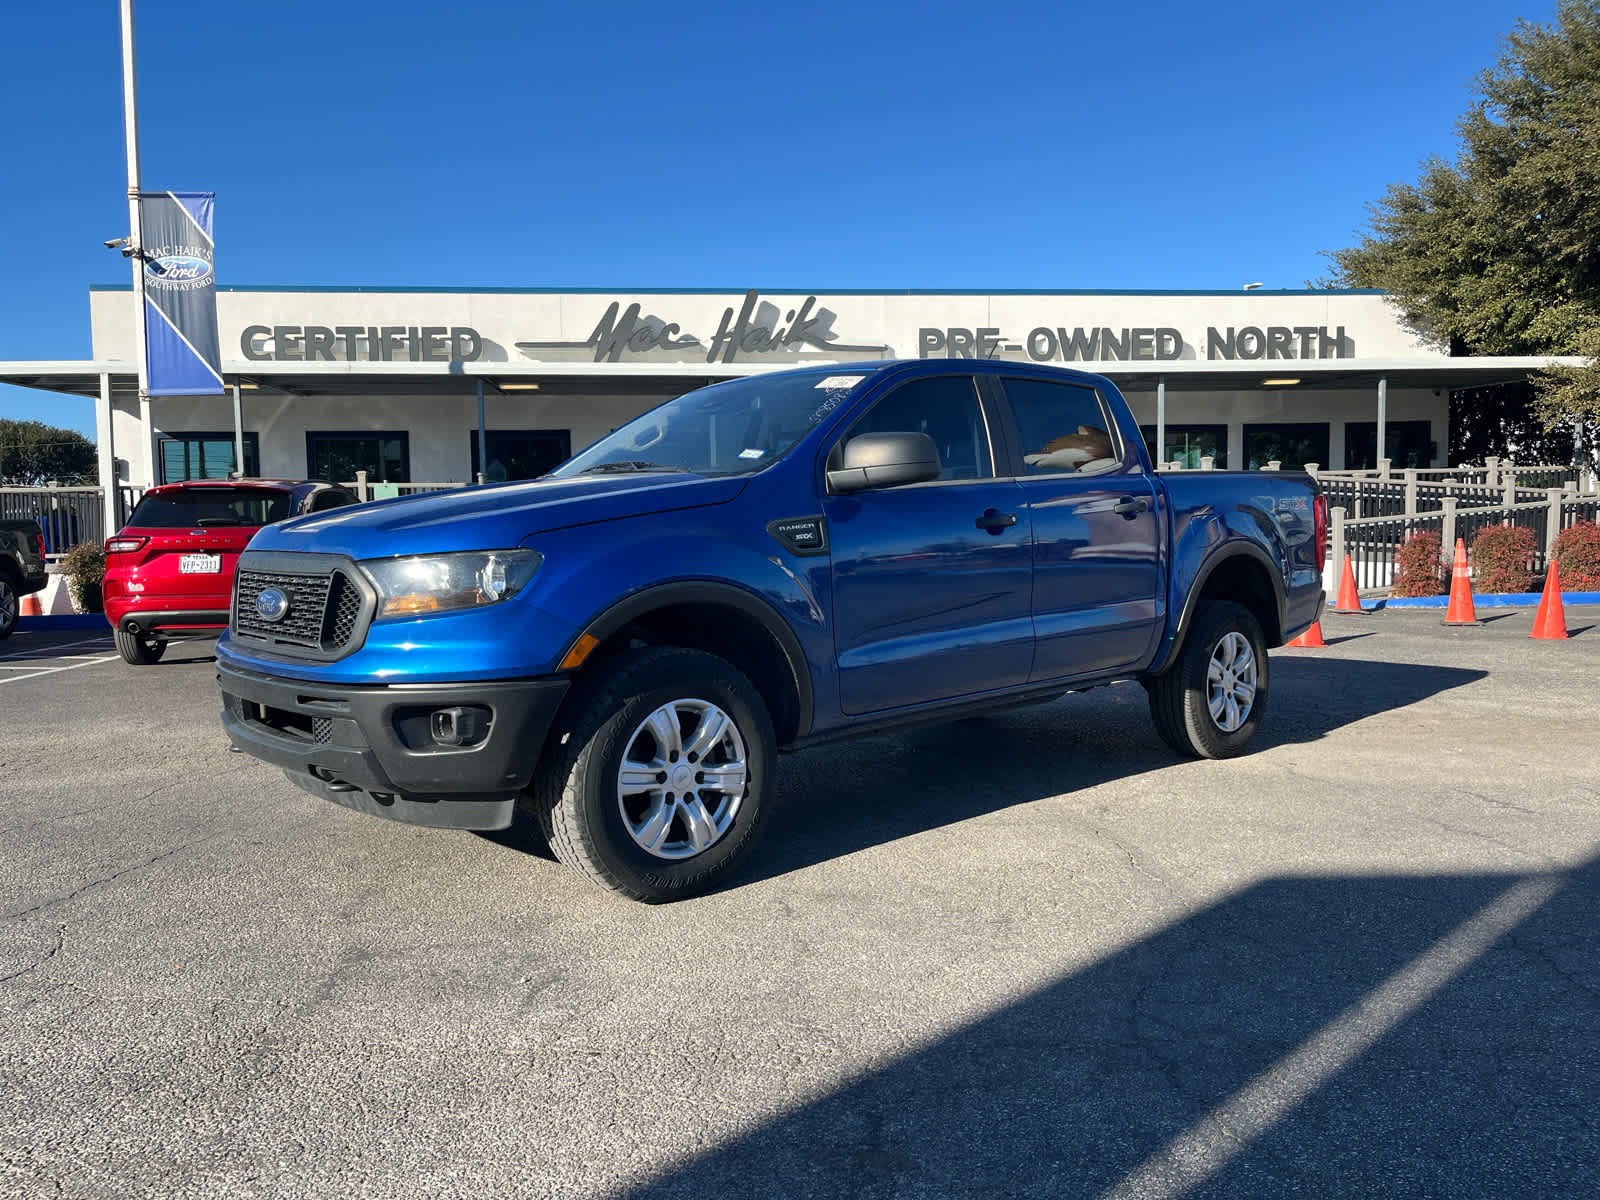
x,y
170,568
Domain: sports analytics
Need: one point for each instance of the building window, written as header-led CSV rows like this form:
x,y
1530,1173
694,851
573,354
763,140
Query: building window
x,y
1188,444
336,457
204,456
1293,446
520,453
1408,444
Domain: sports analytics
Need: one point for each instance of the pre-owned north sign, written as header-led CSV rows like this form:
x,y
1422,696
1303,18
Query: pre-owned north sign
x,y
758,329
1152,343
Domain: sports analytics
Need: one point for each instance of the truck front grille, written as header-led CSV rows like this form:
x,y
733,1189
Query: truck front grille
x,y
326,615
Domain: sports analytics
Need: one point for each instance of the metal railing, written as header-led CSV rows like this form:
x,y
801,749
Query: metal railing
x,y
67,515
371,489
1373,543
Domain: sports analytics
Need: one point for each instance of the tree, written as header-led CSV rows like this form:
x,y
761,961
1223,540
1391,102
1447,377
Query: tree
x,y
1499,251
33,453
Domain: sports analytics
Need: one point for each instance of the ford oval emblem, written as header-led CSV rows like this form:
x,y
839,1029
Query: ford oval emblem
x,y
178,268
272,604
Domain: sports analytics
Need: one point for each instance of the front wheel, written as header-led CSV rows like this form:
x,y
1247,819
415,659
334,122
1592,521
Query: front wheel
x,y
138,650
1210,704
659,775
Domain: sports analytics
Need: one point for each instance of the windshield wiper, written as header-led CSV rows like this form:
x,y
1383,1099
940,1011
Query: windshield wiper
x,y
631,464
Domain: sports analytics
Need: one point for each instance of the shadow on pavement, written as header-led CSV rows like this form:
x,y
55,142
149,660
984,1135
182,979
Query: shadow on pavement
x,y
1381,1036
837,799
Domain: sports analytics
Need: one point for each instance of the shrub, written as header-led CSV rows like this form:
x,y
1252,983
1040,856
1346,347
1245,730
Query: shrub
x,y
1502,559
85,566
1578,557
1420,571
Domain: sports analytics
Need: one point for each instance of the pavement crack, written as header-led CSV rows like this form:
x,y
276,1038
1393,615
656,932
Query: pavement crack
x,y
61,938
112,878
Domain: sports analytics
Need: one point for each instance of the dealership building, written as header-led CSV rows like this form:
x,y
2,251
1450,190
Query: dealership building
x,y
442,385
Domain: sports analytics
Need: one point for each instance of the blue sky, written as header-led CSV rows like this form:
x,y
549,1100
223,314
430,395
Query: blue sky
x,y
813,147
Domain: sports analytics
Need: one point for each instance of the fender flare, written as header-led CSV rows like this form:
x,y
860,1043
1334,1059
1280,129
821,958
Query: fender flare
x,y
1225,553
700,591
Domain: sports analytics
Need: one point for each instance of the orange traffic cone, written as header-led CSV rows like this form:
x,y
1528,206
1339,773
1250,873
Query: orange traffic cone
x,y
30,607
1311,639
1460,611
1551,619
1349,600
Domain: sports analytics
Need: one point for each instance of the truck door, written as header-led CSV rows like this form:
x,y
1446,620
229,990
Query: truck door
x,y
931,581
1098,600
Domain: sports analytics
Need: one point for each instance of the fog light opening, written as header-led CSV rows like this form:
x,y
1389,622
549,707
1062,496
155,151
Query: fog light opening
x,y
459,726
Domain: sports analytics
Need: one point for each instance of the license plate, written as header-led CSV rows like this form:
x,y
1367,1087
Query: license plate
x,y
200,564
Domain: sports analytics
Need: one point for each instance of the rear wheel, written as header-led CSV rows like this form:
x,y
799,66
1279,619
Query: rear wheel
x,y
1210,704
657,779
137,649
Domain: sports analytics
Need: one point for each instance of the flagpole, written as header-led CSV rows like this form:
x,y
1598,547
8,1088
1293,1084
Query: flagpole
x,y
130,120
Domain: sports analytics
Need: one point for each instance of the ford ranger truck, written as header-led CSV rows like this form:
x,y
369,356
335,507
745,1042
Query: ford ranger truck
x,y
624,646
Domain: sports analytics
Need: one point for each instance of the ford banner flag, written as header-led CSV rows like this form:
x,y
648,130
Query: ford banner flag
x,y
182,353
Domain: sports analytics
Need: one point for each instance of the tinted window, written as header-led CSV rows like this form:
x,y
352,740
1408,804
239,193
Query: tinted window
x,y
206,456
209,507
1063,427
1188,444
331,498
945,408
519,453
1292,446
336,457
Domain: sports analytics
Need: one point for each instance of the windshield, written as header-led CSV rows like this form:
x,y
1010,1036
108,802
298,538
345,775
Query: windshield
x,y
732,428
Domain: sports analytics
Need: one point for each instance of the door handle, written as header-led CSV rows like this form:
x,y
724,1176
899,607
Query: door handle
x,y
994,521
1131,507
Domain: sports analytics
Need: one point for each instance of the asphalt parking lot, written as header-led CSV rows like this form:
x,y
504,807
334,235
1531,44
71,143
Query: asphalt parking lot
x,y
1027,955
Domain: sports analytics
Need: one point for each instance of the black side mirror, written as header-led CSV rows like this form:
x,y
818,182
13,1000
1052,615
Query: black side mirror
x,y
876,460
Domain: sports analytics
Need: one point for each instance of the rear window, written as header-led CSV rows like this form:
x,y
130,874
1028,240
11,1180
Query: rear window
x,y
199,509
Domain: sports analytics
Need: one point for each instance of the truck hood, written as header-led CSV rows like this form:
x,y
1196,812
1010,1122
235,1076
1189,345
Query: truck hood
x,y
492,517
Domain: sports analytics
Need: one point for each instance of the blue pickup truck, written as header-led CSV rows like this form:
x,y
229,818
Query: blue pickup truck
x,y
626,644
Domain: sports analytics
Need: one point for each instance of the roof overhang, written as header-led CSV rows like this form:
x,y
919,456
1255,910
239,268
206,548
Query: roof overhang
x,y
82,378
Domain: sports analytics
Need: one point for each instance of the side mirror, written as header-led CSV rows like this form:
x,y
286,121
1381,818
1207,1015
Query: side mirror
x,y
876,460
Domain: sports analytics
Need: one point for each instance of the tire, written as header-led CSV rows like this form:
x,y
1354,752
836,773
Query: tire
x,y
1210,704
625,743
140,651
10,606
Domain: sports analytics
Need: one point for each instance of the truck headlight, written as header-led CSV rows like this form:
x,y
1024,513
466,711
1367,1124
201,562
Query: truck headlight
x,y
413,587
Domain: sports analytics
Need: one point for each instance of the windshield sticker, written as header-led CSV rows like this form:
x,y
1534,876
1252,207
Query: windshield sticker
x,y
752,454
839,381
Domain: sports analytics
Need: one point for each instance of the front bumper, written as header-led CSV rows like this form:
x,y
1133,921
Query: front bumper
x,y
388,749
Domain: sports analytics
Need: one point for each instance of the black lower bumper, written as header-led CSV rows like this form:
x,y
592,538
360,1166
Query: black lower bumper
x,y
447,755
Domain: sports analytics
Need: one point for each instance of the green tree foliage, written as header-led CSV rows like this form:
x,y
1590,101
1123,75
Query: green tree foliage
x,y
32,453
1498,252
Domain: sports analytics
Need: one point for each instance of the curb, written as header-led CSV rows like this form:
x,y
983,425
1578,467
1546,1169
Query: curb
x,y
1488,600
65,621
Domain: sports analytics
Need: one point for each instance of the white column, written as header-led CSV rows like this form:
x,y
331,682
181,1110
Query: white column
x,y
105,421
1382,449
1161,418
238,432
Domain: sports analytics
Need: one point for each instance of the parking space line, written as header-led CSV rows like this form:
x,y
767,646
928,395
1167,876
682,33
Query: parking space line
x,y
52,660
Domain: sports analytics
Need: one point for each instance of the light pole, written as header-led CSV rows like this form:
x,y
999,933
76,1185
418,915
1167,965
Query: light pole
x,y
135,244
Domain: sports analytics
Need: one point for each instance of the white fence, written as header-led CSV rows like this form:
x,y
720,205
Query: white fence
x,y
1373,513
